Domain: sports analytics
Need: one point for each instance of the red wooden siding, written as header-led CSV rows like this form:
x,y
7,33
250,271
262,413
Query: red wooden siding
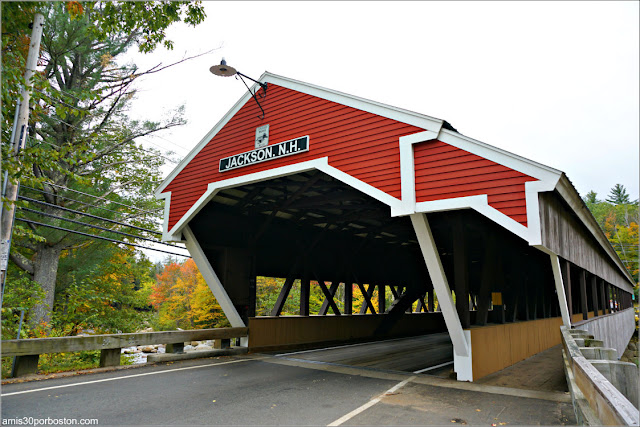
x,y
444,171
361,144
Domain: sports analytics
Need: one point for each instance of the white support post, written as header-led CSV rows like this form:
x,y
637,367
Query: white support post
x,y
212,279
562,298
460,338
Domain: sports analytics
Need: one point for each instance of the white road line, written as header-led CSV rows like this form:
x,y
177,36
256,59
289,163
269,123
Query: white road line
x,y
432,367
370,403
343,346
124,377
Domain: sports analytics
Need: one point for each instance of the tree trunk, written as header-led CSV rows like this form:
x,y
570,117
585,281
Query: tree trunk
x,y
45,271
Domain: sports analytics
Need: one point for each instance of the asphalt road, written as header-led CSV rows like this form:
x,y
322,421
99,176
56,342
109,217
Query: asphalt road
x,y
226,391
278,390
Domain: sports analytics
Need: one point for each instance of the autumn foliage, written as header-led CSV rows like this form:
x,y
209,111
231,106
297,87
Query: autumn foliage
x,y
183,299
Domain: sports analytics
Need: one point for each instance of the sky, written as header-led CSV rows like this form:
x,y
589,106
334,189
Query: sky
x,y
555,82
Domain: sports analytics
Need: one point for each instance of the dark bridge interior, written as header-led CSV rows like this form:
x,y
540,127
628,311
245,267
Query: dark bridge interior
x,y
311,226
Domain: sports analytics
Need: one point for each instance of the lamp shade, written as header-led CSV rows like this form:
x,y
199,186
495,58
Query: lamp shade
x,y
223,69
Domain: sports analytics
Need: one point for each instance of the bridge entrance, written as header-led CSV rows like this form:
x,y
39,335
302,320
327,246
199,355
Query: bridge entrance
x,y
356,197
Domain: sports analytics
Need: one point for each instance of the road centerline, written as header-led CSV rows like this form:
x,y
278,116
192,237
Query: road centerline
x,y
126,377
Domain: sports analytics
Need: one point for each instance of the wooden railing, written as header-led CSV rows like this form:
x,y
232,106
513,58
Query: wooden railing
x,y
28,351
596,400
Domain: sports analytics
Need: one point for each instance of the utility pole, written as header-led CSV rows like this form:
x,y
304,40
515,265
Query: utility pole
x,y
19,137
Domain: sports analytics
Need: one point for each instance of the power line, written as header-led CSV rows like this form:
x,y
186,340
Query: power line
x,y
96,227
88,215
74,200
98,237
102,198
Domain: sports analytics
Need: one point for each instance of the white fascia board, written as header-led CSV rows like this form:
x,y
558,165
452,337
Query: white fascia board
x,y
361,186
214,187
502,157
532,189
480,204
408,170
575,202
321,164
547,180
167,237
373,107
383,110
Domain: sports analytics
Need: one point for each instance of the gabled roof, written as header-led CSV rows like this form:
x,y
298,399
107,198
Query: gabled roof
x,y
550,178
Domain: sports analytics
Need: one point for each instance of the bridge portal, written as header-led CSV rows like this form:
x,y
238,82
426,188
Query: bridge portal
x,y
342,192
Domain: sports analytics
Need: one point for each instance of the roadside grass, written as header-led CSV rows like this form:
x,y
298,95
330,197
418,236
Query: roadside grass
x,y
64,362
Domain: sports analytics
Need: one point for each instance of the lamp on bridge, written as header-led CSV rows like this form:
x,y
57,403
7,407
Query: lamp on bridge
x,y
225,70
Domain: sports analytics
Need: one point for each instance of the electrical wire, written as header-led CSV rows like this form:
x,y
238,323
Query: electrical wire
x,y
75,200
28,199
96,227
102,198
28,221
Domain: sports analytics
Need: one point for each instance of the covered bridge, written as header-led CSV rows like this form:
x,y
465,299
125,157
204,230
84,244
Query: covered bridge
x,y
343,191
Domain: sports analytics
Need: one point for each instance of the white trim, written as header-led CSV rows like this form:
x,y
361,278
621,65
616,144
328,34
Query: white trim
x,y
532,189
557,278
383,110
407,170
321,164
214,187
466,202
361,186
373,107
210,276
497,155
460,340
463,365
547,181
166,236
203,142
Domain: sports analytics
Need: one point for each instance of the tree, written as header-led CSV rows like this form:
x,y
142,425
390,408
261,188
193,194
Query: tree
x,y
183,299
618,195
81,138
591,198
619,221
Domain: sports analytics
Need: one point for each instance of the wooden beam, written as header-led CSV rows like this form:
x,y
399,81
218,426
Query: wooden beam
x,y
422,305
211,278
583,294
282,297
348,297
461,340
305,291
367,294
113,341
325,304
594,294
490,265
566,280
461,273
563,300
328,295
382,300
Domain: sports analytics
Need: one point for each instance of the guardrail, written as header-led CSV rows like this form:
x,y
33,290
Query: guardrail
x,y
596,400
28,351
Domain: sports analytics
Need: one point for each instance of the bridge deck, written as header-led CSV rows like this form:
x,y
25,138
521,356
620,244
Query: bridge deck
x,y
412,354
